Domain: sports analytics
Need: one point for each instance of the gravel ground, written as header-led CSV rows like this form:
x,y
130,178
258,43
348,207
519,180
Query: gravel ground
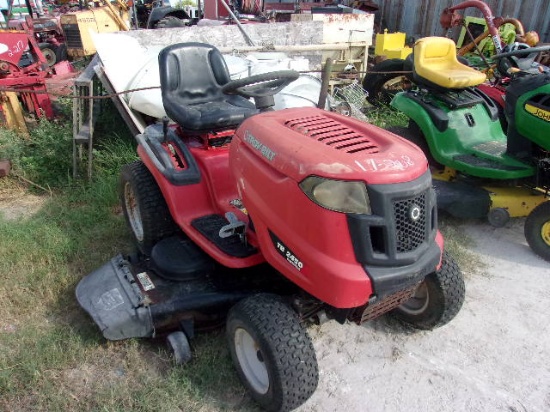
x,y
492,357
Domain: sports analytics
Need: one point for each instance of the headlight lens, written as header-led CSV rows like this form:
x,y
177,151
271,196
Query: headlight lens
x,y
337,195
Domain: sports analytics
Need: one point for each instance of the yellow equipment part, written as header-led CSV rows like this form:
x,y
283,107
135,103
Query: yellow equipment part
x,y
80,25
391,45
13,112
435,60
517,201
447,174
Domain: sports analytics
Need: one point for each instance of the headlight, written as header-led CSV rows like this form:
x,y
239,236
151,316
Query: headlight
x,y
337,195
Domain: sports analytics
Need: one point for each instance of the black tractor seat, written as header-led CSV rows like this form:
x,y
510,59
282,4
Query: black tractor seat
x,y
191,78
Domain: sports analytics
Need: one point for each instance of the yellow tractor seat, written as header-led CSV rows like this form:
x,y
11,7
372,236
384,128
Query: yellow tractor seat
x,y
435,63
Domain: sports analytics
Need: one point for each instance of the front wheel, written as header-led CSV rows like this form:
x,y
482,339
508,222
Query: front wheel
x,y
437,300
537,230
272,352
179,344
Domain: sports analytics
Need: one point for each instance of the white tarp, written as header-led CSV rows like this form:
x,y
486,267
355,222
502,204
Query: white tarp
x,y
131,66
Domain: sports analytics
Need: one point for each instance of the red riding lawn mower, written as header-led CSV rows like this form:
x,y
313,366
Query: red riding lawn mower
x,y
268,220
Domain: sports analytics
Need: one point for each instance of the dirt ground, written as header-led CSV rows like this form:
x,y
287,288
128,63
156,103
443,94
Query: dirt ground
x,y
492,357
16,203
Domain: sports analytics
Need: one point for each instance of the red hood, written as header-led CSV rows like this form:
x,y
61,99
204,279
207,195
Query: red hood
x,y
306,141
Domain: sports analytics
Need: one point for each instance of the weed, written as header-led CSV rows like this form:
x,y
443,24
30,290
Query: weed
x,y
455,242
52,356
45,158
386,117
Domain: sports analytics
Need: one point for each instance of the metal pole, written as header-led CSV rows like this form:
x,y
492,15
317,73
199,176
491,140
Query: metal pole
x,y
325,78
246,37
293,48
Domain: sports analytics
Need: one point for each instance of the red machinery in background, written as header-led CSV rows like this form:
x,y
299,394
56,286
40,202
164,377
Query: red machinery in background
x,y
497,87
49,35
24,70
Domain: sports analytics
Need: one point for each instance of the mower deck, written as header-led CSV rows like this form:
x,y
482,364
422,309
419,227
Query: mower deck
x,y
136,297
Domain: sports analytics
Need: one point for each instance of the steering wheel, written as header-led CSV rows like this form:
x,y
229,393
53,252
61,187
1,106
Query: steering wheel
x,y
261,85
511,58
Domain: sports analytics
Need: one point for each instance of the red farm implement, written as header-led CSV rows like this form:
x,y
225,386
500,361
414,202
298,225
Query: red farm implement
x,y
23,72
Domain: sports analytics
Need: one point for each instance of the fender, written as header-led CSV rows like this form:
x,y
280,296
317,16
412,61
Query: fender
x,y
431,119
452,135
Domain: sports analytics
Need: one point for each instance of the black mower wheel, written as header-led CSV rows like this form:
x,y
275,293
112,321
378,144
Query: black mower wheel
x,y
179,344
436,300
537,230
414,135
498,217
272,352
144,207
169,22
49,52
61,53
386,80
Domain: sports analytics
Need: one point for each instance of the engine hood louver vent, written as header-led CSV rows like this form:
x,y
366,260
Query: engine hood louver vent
x,y
333,134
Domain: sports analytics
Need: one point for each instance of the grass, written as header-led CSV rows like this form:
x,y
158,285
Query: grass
x,y
386,117
52,356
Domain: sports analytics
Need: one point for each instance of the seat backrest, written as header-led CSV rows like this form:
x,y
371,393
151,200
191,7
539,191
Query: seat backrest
x,y
435,62
434,52
191,73
191,78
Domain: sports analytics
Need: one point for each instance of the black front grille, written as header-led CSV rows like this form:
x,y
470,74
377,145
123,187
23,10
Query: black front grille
x,y
410,223
402,225
396,244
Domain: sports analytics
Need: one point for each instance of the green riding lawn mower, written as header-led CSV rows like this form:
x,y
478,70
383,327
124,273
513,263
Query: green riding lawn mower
x,y
484,165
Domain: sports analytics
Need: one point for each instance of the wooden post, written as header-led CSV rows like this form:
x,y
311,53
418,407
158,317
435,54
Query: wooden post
x,y
13,113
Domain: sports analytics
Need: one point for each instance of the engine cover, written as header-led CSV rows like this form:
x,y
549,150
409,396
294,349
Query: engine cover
x,y
306,141
315,247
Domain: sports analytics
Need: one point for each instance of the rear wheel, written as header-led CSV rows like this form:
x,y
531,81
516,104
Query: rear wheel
x,y
437,300
272,352
537,230
169,22
144,207
385,80
414,135
49,52
61,53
